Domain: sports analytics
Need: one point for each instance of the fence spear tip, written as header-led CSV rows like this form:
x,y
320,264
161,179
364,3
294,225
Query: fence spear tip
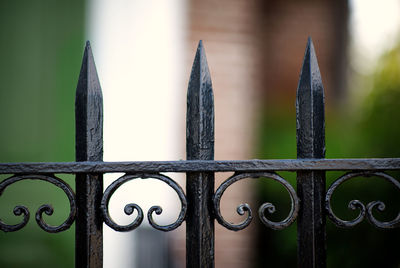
x,y
88,79
200,57
310,74
309,40
200,46
200,109
200,74
310,108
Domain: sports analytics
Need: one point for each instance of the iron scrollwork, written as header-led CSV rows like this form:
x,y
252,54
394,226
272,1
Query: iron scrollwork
x,y
365,211
48,209
130,208
264,208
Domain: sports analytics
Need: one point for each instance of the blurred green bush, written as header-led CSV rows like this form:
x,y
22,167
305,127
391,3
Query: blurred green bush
x,y
368,127
41,51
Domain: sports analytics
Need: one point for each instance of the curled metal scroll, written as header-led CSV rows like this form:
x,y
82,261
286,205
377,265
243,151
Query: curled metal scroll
x,y
130,208
365,211
264,208
48,209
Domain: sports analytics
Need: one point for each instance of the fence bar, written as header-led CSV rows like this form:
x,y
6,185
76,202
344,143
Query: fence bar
x,y
311,144
200,146
89,147
353,164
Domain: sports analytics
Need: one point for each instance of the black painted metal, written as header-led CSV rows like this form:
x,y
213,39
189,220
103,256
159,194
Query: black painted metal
x,y
311,144
200,206
48,209
203,165
200,145
264,208
129,208
356,204
89,147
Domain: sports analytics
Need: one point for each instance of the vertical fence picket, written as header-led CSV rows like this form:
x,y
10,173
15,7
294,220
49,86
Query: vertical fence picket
x,y
89,147
311,144
200,146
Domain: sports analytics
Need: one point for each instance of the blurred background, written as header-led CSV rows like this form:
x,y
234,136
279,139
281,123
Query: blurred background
x,y
143,52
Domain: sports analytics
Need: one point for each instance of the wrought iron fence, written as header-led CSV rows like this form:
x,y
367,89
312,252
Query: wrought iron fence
x,y
200,206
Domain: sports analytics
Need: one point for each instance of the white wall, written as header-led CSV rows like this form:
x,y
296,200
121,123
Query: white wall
x,y
139,52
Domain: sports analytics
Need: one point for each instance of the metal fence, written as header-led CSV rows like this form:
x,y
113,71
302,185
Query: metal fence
x,y
200,206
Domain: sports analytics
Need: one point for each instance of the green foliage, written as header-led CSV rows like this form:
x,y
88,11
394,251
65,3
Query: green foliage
x,y
371,131
41,50
379,124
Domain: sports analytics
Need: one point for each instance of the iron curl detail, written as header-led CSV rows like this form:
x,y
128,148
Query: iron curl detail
x,y
365,210
264,208
48,209
130,208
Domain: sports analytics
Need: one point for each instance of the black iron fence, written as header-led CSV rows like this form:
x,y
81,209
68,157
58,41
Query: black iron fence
x,y
200,206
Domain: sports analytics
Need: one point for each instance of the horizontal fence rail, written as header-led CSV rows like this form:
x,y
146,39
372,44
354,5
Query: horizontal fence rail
x,y
200,205
204,165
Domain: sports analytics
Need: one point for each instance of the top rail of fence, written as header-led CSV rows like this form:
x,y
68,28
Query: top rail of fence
x,y
203,165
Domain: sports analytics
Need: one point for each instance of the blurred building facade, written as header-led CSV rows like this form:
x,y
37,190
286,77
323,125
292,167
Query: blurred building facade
x,y
255,50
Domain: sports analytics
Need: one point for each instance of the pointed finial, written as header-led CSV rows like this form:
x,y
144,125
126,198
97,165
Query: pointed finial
x,y
89,111
310,108
89,147
310,77
200,110
310,132
200,146
88,78
200,72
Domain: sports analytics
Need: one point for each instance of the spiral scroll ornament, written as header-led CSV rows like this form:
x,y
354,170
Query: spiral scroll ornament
x,y
48,209
365,210
264,208
130,208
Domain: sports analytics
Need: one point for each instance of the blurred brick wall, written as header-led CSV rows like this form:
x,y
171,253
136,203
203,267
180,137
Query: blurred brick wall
x,y
283,30
228,30
255,50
